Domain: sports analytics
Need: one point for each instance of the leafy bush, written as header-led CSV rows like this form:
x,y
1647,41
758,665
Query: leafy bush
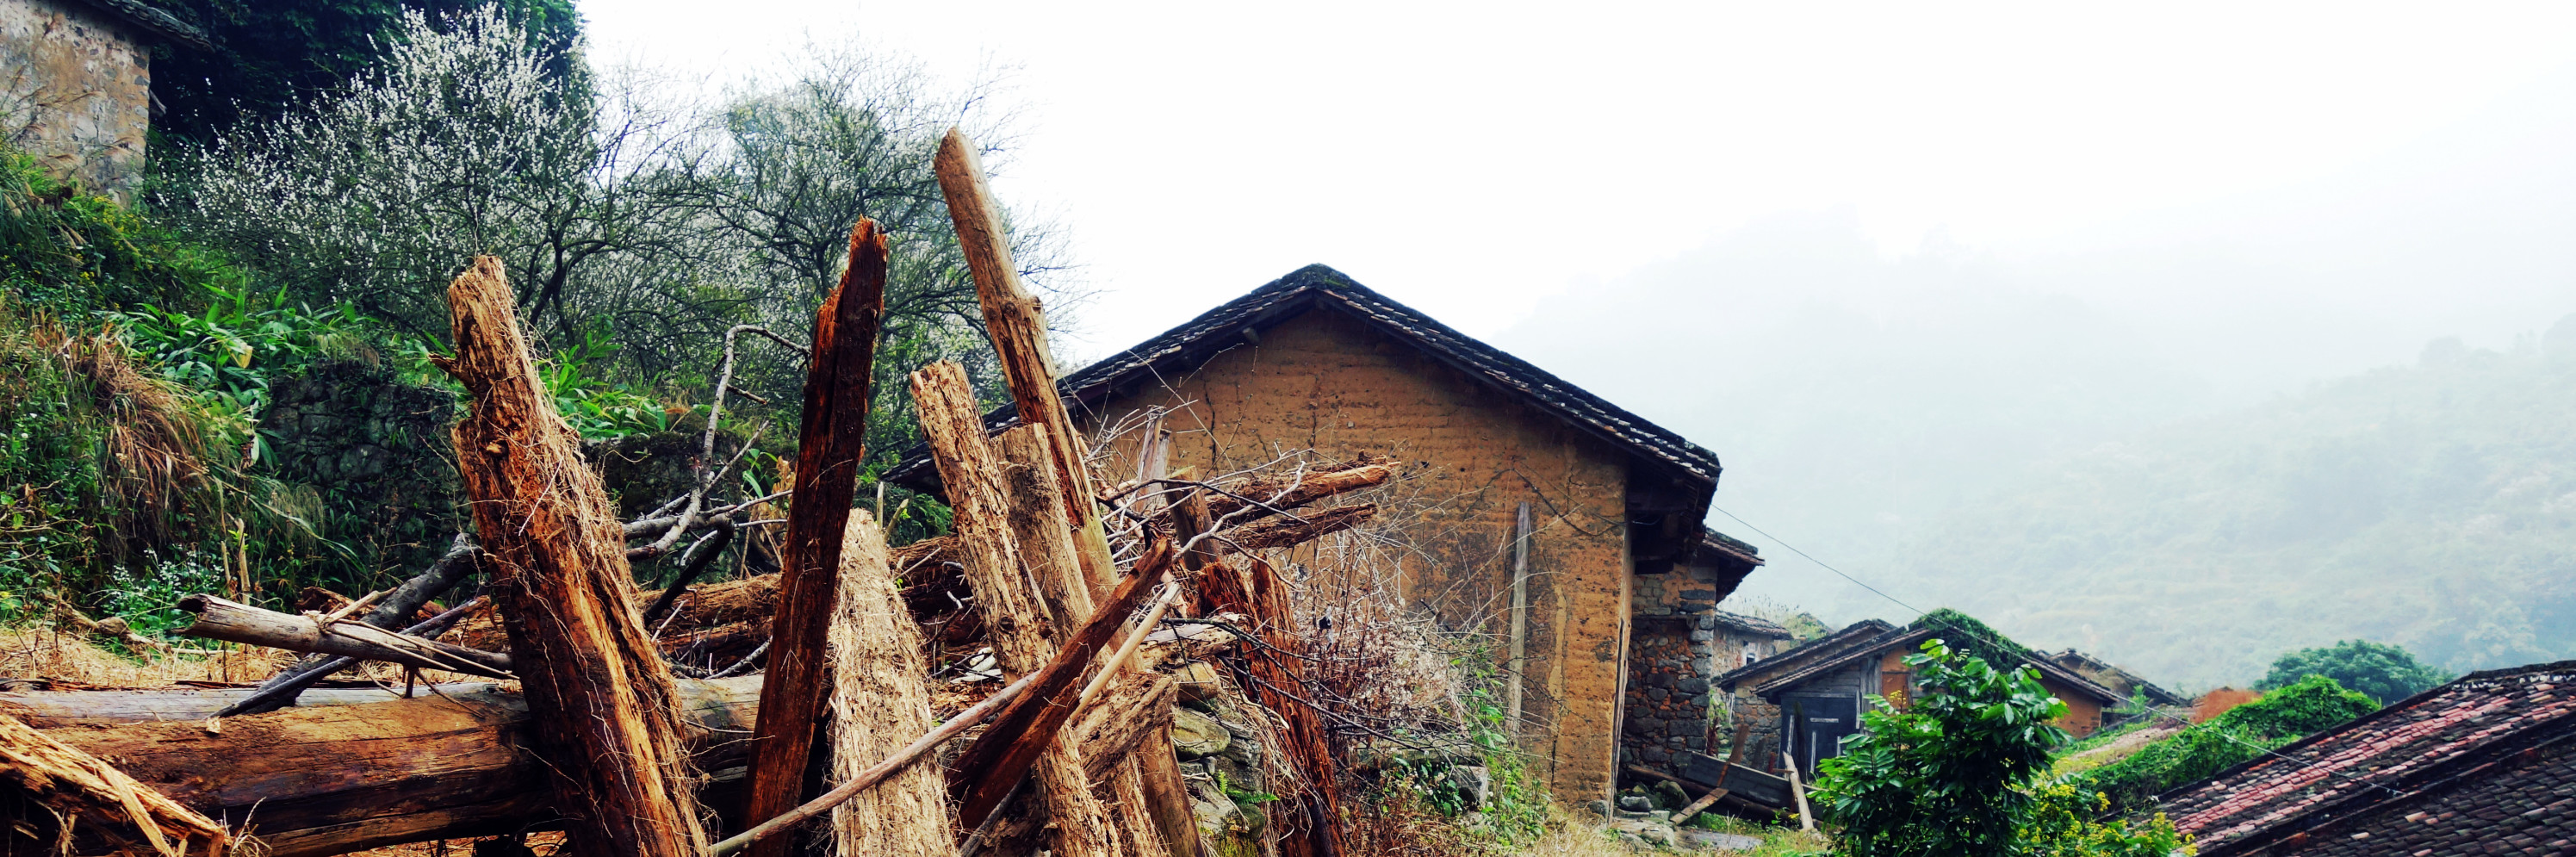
x,y
1943,777
2380,671
2311,705
2062,824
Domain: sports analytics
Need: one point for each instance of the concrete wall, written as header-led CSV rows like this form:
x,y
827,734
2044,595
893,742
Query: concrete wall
x,y
75,91
1329,382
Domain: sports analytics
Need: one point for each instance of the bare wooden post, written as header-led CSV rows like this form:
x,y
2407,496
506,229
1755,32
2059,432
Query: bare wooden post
x,y
607,715
1806,820
1520,619
880,702
829,446
992,560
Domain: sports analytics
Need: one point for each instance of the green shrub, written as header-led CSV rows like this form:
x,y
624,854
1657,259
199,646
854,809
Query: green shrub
x,y
1943,777
2377,670
2311,705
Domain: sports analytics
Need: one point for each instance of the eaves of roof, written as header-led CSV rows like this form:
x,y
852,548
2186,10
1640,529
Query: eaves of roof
x,y
1909,637
1176,352
1826,646
155,21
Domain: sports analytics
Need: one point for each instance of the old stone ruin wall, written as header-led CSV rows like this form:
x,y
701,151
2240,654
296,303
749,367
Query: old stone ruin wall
x,y
75,92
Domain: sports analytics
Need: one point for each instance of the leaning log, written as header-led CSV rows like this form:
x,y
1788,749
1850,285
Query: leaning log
x,y
1047,548
231,621
318,781
829,449
606,711
1023,640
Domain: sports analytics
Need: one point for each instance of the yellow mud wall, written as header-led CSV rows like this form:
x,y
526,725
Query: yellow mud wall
x,y
1328,382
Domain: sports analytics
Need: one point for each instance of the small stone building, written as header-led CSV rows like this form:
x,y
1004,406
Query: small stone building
x,y
2483,765
1499,452
1817,698
76,83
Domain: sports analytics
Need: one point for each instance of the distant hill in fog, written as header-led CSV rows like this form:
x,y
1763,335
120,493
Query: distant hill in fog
x,y
2432,506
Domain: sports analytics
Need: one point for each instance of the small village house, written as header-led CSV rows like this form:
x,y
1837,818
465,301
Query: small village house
x,y
1808,699
2482,765
76,84
2128,684
1538,510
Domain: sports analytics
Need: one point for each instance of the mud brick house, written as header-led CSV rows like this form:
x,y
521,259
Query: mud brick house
x,y
1500,452
2483,765
76,83
1815,694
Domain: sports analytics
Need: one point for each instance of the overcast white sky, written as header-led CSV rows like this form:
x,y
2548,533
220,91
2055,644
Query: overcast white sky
x,y
1472,158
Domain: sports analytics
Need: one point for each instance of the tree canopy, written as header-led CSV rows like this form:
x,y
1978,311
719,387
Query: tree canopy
x,y
2383,672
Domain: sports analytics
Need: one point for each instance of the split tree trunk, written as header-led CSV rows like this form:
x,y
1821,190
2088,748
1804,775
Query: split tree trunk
x,y
1023,641
52,793
606,712
1046,542
829,449
880,703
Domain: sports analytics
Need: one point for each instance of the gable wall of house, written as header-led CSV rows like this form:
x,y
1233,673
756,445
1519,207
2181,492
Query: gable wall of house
x,y
1329,382
75,91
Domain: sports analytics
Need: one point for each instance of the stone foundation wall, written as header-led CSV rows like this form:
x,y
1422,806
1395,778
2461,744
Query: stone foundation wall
x,y
377,453
1668,693
75,91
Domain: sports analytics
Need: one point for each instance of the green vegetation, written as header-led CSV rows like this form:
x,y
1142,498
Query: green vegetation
x,y
2382,672
1959,773
2301,709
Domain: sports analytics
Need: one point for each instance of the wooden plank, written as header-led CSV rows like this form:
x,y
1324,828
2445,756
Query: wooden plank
x,y
606,712
831,442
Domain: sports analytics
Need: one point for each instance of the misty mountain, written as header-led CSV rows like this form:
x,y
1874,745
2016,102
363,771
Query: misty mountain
x,y
2432,506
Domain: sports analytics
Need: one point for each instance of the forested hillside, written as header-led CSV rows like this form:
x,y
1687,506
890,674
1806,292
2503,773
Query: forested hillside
x,y
2432,506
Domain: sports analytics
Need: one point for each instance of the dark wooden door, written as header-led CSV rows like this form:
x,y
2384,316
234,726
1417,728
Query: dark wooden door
x,y
1817,724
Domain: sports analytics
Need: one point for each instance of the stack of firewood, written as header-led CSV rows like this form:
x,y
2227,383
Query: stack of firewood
x,y
792,709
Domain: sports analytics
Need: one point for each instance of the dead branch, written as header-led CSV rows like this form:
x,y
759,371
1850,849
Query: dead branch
x,y
221,619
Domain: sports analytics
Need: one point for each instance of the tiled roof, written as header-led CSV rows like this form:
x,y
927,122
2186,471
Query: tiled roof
x,y
1730,547
1908,638
2081,662
1177,351
1809,652
1754,625
2448,738
155,21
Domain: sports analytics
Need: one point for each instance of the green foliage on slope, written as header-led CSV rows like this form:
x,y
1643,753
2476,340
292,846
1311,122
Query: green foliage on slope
x,y
2303,708
2431,506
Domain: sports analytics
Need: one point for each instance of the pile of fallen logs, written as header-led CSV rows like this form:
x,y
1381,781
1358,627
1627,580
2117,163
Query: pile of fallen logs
x,y
797,709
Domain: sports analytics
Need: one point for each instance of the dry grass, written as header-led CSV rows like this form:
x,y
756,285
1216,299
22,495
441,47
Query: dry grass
x,y
47,652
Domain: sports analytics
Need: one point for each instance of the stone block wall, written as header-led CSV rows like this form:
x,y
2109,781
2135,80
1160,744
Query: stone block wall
x,y
75,91
1668,706
378,453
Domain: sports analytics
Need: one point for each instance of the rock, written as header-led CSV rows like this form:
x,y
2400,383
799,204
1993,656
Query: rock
x,y
1636,803
1710,840
1667,795
1198,682
1196,735
1650,832
1475,782
1599,807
